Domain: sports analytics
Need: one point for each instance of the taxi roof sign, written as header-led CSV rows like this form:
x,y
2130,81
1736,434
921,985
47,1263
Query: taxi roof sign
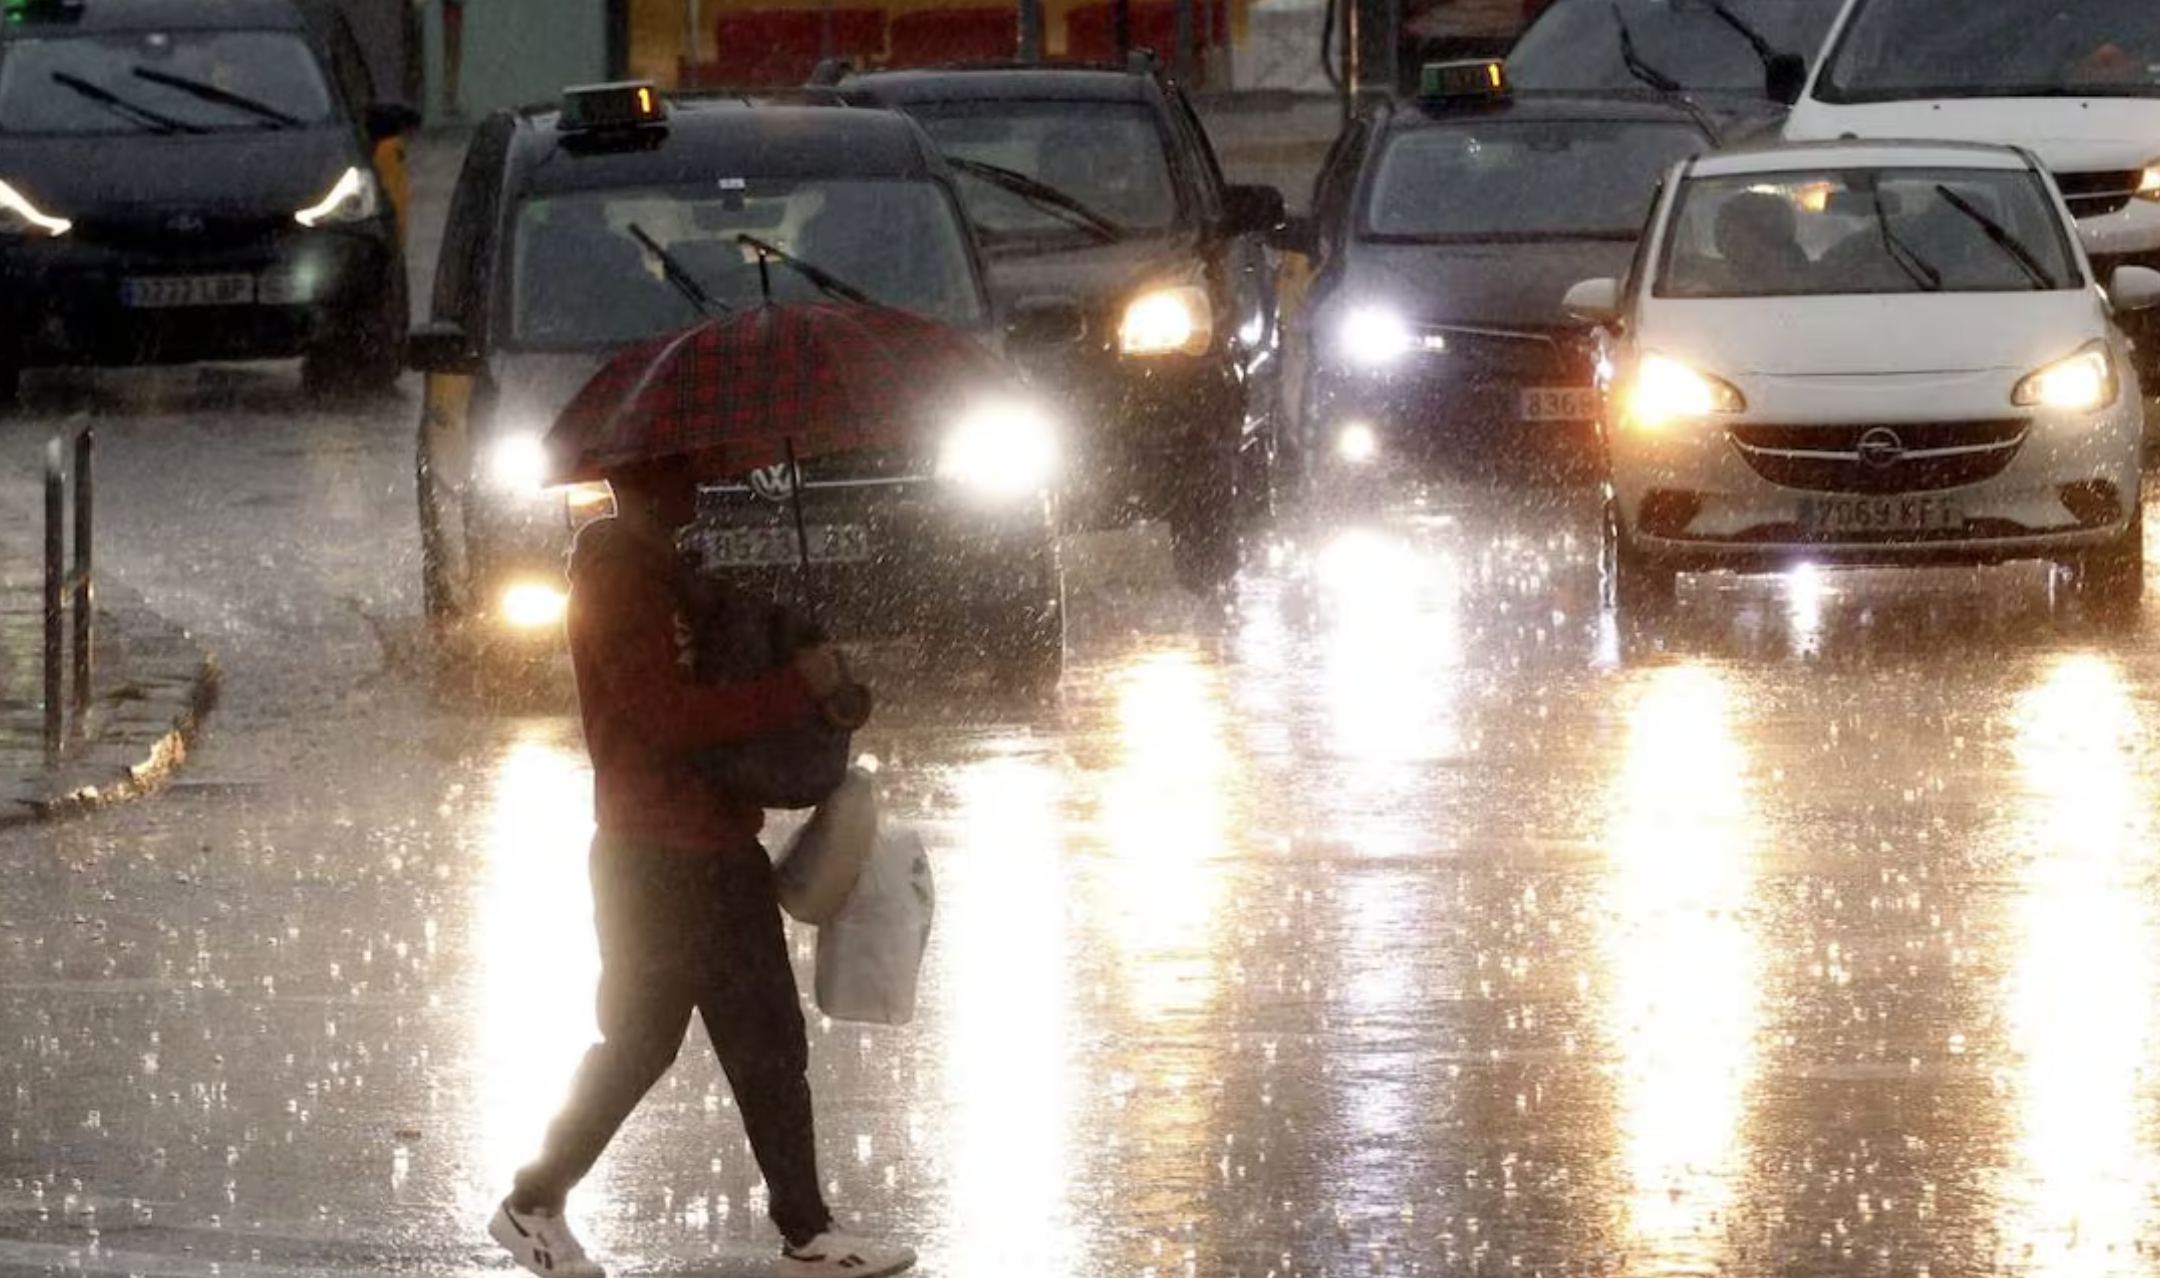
x,y
1470,79
625,104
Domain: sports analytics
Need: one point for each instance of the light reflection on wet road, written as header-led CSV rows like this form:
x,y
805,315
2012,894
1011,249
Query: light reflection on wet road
x,y
1406,917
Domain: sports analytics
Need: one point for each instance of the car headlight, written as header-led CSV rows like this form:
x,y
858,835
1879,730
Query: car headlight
x,y
1167,321
516,464
2148,187
2080,383
1004,449
18,216
1374,337
354,197
1666,390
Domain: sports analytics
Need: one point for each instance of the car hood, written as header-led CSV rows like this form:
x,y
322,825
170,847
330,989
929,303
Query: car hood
x,y
237,173
1864,336
2069,135
1097,276
534,386
1510,286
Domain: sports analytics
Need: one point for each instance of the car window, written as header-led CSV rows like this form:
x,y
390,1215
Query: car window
x,y
1109,156
1846,231
1497,177
1893,49
581,278
1577,45
161,81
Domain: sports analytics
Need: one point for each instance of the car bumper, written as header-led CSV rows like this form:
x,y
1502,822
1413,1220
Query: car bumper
x,y
1736,496
75,301
1354,420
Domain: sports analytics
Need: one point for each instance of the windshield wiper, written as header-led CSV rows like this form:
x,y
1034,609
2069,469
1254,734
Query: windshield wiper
x,y
1632,60
1764,50
156,121
825,280
672,270
1041,194
223,97
1999,237
1919,268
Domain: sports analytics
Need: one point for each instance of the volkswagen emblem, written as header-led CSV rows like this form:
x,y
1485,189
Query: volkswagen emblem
x,y
185,224
773,482
1880,447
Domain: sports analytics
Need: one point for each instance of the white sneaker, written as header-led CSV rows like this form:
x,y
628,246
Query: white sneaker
x,y
836,1255
541,1241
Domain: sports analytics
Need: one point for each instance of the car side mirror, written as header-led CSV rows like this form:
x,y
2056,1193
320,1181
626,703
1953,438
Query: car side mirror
x,y
1593,301
2133,288
1252,209
1784,77
1045,321
441,346
1296,235
389,119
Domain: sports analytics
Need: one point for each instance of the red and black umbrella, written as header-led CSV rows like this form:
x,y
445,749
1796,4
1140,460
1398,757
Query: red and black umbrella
x,y
768,383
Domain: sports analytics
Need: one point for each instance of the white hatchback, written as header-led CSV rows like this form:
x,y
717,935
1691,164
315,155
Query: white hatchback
x,y
1867,353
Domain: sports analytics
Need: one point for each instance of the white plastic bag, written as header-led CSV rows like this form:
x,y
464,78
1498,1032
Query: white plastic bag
x,y
869,954
819,865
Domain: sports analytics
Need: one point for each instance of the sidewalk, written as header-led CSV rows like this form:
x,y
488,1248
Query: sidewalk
x,y
152,684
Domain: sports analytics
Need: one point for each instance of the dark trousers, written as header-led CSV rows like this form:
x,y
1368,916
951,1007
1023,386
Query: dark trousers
x,y
682,932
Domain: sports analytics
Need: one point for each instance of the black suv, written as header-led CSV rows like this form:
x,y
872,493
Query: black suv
x,y
193,182
1100,183
576,230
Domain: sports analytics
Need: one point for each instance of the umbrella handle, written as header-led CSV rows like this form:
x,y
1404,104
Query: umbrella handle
x,y
802,533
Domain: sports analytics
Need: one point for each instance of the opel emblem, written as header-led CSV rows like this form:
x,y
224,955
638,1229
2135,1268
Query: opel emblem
x,y
773,482
1880,447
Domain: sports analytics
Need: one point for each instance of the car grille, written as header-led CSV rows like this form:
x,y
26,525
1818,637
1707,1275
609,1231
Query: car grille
x,y
1904,457
177,231
2096,194
1492,354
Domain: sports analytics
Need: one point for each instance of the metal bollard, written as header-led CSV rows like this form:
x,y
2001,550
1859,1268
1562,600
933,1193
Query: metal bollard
x,y
67,587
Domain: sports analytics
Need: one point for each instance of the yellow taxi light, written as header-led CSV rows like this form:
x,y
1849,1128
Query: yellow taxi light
x,y
1469,79
623,104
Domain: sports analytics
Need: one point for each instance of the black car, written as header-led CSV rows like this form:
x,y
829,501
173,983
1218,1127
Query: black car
x,y
577,229
1443,235
1740,60
193,182
1100,183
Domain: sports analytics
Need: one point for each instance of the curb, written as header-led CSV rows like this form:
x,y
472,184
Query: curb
x,y
153,687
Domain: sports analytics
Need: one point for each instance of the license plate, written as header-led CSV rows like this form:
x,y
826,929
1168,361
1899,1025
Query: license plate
x,y
759,547
1558,403
152,291
1903,514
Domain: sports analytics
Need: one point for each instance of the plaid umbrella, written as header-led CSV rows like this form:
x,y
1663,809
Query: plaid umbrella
x,y
768,383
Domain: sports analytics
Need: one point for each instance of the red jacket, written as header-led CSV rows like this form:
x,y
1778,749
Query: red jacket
x,y
643,715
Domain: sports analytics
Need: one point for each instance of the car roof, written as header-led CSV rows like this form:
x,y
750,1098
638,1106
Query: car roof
x,y
1871,153
997,81
158,15
717,135
1414,112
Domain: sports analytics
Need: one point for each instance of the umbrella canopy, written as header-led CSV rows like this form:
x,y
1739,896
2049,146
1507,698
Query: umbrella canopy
x,y
773,381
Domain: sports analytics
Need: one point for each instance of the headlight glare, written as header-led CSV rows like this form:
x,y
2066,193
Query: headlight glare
x,y
1003,449
1666,390
18,216
531,605
1372,337
352,198
1167,321
517,464
2148,187
2081,383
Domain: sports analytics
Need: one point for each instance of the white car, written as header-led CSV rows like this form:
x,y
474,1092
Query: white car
x,y
1867,353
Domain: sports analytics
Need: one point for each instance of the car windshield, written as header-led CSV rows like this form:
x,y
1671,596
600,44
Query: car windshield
x,y
161,81
1845,231
1898,49
1108,157
581,277
1499,178
1577,45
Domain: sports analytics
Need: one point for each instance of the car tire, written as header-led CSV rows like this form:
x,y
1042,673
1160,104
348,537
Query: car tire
x,y
2111,580
1631,584
368,358
1205,545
